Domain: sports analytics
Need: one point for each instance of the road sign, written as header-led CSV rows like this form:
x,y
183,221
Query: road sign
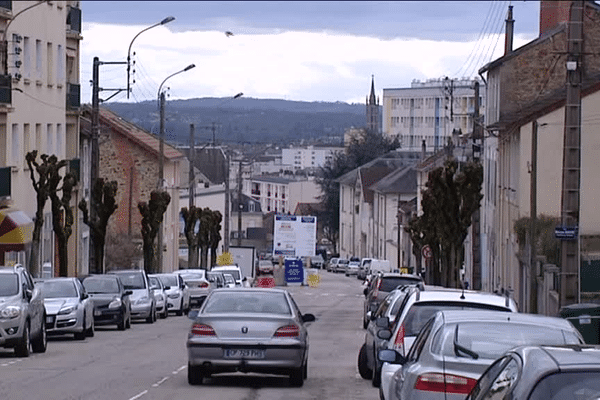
x,y
294,273
427,252
566,232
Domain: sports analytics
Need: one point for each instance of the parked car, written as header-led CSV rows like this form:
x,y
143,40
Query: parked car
x,y
22,312
265,266
112,304
198,285
417,308
143,303
339,264
69,309
235,271
542,373
160,295
352,268
457,347
364,269
249,330
178,296
229,280
216,279
381,285
317,261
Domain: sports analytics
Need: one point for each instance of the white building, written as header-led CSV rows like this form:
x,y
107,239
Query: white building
x,y
430,111
39,106
282,195
308,157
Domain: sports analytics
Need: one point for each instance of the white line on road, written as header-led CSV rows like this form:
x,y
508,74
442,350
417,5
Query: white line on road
x,y
179,370
137,396
161,381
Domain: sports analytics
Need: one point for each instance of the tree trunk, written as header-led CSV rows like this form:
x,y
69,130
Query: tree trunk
x,y
34,258
148,254
213,256
203,256
193,256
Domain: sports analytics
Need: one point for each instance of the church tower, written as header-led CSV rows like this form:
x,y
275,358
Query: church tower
x,y
373,109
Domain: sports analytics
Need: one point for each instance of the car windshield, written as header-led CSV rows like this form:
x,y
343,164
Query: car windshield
x,y
169,280
154,282
191,277
246,302
568,386
55,289
390,283
233,272
491,339
420,313
132,280
101,285
9,284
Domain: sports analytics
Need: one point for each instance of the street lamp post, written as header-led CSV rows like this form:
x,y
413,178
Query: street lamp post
x,y
163,22
161,99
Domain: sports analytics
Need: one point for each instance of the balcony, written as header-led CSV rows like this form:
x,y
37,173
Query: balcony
x,y
73,96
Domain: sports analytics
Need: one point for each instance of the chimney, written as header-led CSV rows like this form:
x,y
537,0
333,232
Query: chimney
x,y
510,30
553,13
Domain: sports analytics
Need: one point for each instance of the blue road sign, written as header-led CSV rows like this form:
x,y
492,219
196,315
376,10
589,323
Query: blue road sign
x,y
566,232
294,273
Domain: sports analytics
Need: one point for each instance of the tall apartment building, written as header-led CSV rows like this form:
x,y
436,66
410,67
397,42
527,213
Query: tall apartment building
x,y
430,111
39,107
308,157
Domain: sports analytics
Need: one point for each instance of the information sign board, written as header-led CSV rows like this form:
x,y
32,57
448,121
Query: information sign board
x,y
294,272
294,236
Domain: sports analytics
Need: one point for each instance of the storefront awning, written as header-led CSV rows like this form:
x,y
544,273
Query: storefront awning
x,y
16,229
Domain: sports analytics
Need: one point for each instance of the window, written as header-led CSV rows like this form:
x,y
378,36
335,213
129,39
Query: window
x,y
26,57
49,64
38,59
16,145
59,140
60,65
50,139
38,134
26,142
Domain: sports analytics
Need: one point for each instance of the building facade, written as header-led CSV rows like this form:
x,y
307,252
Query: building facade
x,y
310,157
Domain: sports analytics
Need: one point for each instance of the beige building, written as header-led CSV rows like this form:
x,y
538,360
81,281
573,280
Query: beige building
x,y
282,195
39,106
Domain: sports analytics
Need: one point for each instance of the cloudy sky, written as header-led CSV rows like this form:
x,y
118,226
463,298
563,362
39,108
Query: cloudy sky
x,y
307,51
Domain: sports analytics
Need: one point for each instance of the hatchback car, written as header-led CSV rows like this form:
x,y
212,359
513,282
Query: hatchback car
x,y
22,312
542,373
248,330
265,266
197,283
417,308
381,285
112,305
143,304
69,309
352,268
455,347
178,295
160,295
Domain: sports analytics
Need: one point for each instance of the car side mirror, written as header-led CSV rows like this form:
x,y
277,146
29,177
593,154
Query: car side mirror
x,y
391,356
245,279
128,293
308,318
366,291
28,293
382,322
369,315
384,334
84,296
193,314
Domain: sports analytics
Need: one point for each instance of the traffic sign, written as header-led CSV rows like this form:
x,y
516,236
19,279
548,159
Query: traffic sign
x,y
566,232
427,252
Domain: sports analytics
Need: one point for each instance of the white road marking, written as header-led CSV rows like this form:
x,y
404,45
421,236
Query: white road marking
x,y
157,384
137,396
179,369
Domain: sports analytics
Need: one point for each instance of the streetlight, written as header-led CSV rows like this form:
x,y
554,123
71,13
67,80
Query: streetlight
x,y
161,98
163,22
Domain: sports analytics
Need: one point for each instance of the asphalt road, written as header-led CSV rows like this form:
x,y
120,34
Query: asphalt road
x,y
150,361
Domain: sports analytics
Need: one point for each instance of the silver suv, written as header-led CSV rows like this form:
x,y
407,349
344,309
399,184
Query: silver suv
x,y
22,313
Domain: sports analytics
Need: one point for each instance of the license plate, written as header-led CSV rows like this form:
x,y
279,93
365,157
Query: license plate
x,y
585,320
245,353
97,313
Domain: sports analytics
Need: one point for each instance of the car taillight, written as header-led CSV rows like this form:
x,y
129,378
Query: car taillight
x,y
287,331
203,285
446,383
203,330
399,340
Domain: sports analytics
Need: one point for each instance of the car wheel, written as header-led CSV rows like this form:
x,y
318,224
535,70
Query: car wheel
x,y
150,318
297,377
40,343
23,348
123,324
376,374
363,367
128,325
305,370
195,374
365,323
91,330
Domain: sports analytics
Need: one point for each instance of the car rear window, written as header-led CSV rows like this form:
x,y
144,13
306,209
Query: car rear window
x,y
132,280
568,386
390,283
419,313
492,339
9,284
233,272
169,280
101,285
245,302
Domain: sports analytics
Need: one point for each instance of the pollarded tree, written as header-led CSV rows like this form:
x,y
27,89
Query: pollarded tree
x,y
191,219
214,236
206,221
104,196
152,217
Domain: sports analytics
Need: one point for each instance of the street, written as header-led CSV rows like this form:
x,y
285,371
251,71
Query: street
x,y
150,361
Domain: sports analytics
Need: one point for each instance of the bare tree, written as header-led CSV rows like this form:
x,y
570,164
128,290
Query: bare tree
x,y
152,216
191,218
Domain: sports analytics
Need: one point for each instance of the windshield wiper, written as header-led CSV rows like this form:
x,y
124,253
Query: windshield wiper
x,y
459,348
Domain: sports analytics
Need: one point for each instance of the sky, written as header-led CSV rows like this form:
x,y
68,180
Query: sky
x,y
325,51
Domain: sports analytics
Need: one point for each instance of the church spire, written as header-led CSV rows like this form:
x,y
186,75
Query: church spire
x,y
372,99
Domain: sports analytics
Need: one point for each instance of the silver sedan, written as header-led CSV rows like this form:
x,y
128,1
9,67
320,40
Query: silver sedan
x,y
248,330
69,309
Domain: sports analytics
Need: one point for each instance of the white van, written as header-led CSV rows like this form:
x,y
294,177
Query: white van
x,y
382,266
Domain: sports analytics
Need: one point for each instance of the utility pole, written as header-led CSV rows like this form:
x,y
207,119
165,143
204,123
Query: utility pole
x,y
161,177
533,307
476,225
227,206
240,205
571,166
192,177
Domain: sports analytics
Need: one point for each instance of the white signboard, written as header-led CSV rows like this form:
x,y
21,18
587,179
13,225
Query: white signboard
x,y
294,236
